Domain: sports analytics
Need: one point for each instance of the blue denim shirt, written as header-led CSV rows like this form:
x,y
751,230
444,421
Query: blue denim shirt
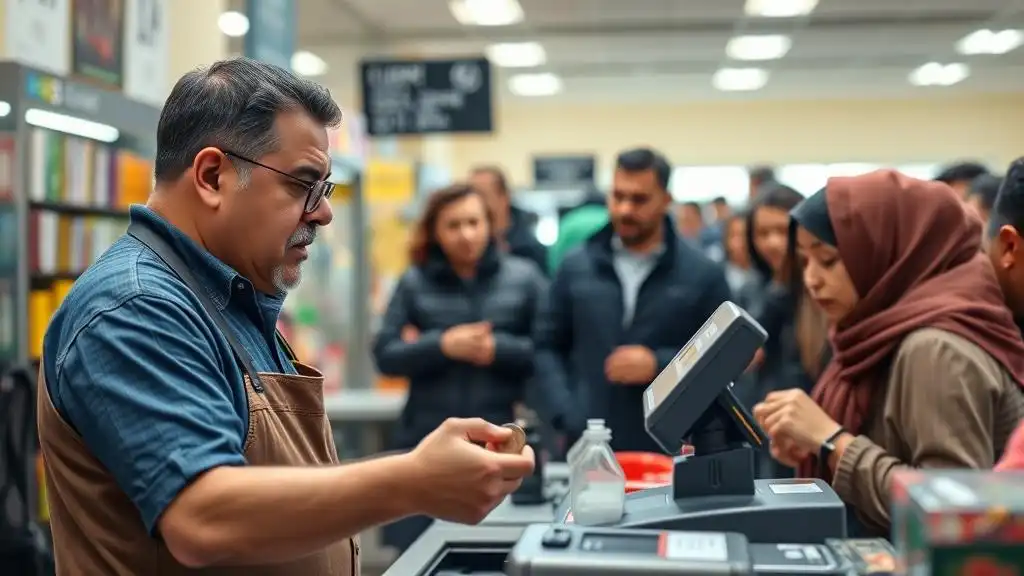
x,y
135,364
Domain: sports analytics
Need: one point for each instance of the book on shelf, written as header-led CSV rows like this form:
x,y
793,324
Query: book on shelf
x,y
76,172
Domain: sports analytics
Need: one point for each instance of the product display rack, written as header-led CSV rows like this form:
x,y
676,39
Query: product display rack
x,y
73,157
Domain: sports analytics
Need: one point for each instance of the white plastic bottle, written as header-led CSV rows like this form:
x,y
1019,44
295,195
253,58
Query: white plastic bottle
x,y
596,481
574,450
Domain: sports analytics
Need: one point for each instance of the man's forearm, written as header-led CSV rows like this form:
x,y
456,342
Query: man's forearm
x,y
259,515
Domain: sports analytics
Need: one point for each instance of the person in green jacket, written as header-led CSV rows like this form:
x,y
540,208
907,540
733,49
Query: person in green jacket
x,y
574,229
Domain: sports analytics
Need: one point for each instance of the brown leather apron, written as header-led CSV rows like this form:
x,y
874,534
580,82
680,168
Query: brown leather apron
x,y
97,531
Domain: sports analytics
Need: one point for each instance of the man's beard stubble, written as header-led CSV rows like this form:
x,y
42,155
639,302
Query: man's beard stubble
x,y
304,236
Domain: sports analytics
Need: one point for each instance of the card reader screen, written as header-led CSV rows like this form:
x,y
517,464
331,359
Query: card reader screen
x,y
620,544
684,361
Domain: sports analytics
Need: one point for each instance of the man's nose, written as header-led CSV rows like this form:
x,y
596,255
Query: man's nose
x,y
322,216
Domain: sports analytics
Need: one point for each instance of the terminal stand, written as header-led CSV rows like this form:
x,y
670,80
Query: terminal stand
x,y
722,463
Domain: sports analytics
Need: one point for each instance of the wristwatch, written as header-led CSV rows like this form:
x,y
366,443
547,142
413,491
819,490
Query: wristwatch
x,y
828,447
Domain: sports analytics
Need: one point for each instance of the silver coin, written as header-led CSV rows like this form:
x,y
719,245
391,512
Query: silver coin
x,y
515,443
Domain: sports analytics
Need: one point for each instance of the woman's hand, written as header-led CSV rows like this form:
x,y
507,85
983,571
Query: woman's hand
x,y
796,425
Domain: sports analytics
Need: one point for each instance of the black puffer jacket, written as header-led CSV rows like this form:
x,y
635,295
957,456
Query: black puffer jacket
x,y
507,292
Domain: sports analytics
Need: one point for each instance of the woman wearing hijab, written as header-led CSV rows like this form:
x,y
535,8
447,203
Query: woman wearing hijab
x,y
927,363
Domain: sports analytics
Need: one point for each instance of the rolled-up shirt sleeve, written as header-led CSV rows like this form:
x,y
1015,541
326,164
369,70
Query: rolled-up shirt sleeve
x,y
142,385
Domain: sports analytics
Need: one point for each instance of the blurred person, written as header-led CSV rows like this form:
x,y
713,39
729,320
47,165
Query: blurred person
x,y
758,177
981,195
796,350
737,258
690,221
621,307
722,210
960,175
1005,240
514,227
711,236
458,326
927,364
177,427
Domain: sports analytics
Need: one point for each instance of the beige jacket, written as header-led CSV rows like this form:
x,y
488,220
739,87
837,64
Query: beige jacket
x,y
946,404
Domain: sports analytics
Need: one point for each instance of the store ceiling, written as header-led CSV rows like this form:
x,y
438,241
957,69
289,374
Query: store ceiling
x,y
648,50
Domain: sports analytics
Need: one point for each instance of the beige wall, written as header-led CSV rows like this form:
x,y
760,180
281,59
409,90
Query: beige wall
x,y
902,131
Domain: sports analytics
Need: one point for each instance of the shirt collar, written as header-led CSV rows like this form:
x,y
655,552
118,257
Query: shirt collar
x,y
620,249
219,279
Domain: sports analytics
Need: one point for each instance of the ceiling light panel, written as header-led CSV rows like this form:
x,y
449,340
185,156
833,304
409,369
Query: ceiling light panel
x,y
740,79
233,24
308,64
517,55
990,42
780,8
535,85
486,12
938,74
763,47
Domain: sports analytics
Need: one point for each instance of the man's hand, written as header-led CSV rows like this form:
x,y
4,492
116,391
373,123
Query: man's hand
x,y
410,334
463,482
795,423
463,342
634,365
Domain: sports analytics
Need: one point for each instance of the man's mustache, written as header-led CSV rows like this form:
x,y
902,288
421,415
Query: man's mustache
x,y
302,237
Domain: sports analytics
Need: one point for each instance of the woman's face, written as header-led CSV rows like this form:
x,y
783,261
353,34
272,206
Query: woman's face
x,y
771,236
825,276
462,230
736,242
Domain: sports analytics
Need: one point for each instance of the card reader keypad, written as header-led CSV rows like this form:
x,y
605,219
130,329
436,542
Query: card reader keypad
x,y
556,538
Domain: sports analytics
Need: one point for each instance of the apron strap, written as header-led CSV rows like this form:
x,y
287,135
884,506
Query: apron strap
x,y
288,351
172,259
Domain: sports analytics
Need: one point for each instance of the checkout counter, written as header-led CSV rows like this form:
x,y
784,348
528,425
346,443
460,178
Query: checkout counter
x,y
714,518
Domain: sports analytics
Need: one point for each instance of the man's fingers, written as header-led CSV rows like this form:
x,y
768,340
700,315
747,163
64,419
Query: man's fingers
x,y
515,466
480,430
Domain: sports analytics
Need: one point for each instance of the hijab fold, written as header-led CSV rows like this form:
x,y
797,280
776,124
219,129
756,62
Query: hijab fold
x,y
912,251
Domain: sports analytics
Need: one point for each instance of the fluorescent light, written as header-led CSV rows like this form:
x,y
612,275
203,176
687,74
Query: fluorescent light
x,y
990,42
938,74
308,64
517,55
780,8
486,12
71,125
5,109
740,79
764,47
544,84
233,23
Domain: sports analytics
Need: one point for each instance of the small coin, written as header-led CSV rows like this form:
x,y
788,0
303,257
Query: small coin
x,y
515,443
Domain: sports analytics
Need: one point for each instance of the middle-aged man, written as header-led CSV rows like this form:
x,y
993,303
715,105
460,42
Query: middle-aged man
x,y
1005,233
178,429
621,306
514,225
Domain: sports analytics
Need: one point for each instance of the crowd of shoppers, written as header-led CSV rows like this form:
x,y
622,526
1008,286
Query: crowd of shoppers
x,y
892,344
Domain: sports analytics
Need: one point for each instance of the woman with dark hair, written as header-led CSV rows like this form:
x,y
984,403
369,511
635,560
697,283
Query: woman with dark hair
x,y
737,256
797,341
927,366
458,326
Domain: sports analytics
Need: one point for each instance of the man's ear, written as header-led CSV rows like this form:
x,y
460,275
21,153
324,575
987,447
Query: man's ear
x,y
1009,244
209,170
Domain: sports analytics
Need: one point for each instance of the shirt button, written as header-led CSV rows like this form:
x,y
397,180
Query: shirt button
x,y
240,286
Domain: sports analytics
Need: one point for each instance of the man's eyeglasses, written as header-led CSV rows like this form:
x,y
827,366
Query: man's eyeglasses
x,y
316,190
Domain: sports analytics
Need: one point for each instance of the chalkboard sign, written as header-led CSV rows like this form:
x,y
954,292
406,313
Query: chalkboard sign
x,y
573,171
427,96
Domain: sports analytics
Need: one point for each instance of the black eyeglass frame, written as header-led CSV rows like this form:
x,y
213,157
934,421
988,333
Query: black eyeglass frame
x,y
316,190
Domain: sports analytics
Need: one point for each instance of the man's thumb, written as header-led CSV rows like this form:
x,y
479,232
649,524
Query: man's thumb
x,y
480,430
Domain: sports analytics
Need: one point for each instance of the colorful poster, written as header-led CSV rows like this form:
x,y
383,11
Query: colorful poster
x,y
98,40
145,51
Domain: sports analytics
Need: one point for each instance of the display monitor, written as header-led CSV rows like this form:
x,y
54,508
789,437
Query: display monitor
x,y
702,371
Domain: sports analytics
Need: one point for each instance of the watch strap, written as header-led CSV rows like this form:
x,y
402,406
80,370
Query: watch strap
x,y
826,450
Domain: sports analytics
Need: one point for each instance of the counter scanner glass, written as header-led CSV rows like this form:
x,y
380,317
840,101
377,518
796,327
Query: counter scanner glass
x,y
692,401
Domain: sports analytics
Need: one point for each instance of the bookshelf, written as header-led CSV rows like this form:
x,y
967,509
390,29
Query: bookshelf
x,y
73,158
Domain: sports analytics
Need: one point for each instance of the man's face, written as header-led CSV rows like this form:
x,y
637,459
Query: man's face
x,y
637,205
490,187
1006,251
263,221
689,220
